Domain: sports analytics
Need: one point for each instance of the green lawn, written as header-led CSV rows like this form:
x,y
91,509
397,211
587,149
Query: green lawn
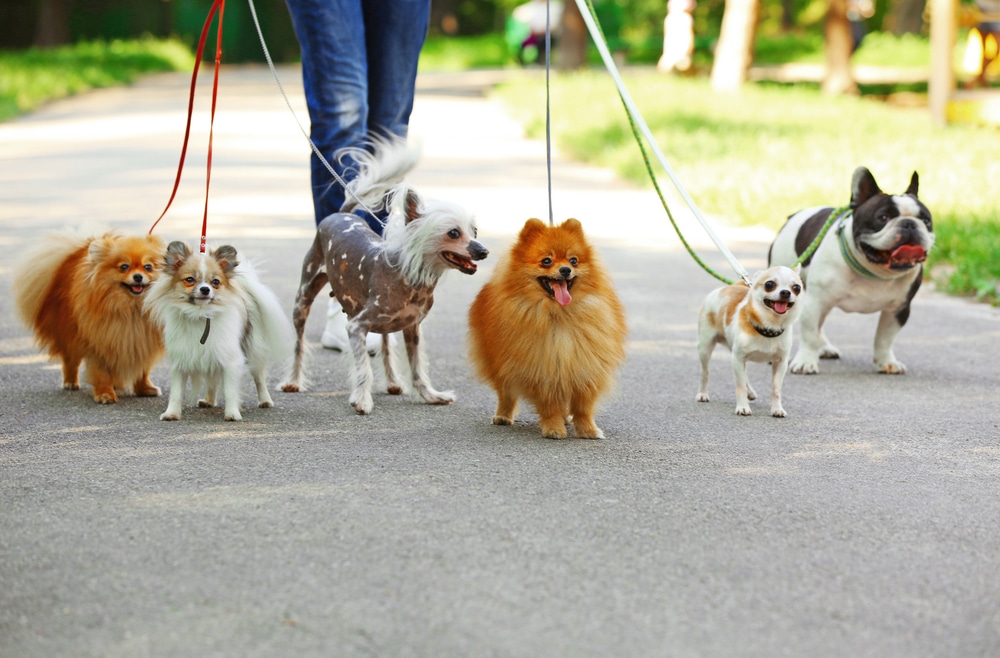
x,y
755,157
29,78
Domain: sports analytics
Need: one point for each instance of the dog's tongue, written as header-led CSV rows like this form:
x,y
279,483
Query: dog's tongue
x,y
561,290
780,307
137,289
908,252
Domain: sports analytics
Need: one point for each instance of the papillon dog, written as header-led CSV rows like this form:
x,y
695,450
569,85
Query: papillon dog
x,y
218,319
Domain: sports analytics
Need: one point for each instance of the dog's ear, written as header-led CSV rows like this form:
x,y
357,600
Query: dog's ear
x,y
177,253
99,247
914,184
531,227
411,206
226,257
573,225
863,187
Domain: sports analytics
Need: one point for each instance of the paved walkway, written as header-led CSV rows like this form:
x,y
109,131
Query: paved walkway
x,y
864,524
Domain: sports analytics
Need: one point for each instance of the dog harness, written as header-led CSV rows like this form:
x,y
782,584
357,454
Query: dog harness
x,y
767,333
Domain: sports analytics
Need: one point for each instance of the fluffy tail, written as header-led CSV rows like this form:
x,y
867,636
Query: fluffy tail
x,y
38,267
270,323
380,167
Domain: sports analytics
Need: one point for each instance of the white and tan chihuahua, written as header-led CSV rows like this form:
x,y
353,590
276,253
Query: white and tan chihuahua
x,y
755,323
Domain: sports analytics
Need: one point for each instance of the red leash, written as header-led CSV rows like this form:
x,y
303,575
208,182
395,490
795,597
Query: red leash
x,y
220,6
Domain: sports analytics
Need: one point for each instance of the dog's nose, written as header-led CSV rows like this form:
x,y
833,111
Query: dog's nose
x,y
137,278
204,290
477,251
565,271
786,294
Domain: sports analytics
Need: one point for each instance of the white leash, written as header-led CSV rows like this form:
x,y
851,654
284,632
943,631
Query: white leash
x,y
315,149
609,63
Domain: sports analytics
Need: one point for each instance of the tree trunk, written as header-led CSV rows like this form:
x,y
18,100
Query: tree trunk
x,y
52,28
905,16
839,46
572,46
734,54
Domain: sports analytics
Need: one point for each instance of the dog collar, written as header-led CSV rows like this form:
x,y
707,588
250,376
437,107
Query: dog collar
x,y
849,258
767,333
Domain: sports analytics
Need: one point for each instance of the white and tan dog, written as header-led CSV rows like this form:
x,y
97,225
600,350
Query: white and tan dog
x,y
756,324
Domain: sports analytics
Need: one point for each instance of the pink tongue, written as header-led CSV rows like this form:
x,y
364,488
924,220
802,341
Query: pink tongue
x,y
908,252
562,292
780,307
137,289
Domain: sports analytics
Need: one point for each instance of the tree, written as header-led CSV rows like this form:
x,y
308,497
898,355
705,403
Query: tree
x,y
52,28
839,47
572,46
734,54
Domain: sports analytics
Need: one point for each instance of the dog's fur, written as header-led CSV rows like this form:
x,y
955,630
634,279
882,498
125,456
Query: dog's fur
x,y
887,237
385,284
548,327
82,296
217,318
756,324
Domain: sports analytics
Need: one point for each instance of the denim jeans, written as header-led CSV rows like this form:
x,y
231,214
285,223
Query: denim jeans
x,y
359,69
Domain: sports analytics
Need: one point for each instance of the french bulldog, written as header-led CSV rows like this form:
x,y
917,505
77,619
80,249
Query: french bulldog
x,y
870,261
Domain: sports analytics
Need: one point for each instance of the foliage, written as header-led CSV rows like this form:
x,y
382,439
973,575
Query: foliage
x,y
755,158
31,77
464,53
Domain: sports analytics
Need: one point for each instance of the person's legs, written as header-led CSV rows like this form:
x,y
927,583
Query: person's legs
x,y
394,32
331,35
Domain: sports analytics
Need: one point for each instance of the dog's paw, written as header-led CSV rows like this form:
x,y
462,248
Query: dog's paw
x,y
502,420
291,387
590,431
751,394
170,415
891,368
144,391
778,412
804,367
71,386
439,397
105,397
743,410
233,415
395,389
555,433
702,397
265,404
829,352
205,404
363,405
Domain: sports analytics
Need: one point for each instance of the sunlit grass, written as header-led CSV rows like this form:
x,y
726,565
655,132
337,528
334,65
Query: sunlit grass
x,y
31,77
755,157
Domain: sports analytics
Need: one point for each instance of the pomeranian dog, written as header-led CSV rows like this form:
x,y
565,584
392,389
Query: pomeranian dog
x,y
83,298
217,319
754,322
549,327
384,283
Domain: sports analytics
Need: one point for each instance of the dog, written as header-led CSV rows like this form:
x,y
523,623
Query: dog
x,y
384,284
871,261
548,327
755,322
83,298
217,319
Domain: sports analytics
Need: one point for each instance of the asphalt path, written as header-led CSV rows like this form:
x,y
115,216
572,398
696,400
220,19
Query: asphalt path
x,y
866,523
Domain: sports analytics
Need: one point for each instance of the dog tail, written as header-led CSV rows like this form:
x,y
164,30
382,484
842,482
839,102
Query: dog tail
x,y
268,321
377,169
36,270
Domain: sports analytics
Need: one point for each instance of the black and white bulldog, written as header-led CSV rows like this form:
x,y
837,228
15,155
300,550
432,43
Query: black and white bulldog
x,y
870,261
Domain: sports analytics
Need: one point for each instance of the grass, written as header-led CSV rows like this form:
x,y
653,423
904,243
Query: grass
x,y
756,157
31,77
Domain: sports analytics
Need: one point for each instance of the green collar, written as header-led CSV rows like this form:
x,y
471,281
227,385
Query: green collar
x,y
849,258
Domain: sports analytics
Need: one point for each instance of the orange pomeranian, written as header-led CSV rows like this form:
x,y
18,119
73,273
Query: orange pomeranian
x,y
548,327
83,296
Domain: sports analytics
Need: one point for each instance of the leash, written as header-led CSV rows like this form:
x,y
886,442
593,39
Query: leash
x,y
220,6
315,149
548,110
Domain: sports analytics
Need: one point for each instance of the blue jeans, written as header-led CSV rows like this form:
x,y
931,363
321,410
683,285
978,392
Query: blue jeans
x,y
359,69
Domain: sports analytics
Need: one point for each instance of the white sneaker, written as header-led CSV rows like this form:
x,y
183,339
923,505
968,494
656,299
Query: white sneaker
x,y
335,335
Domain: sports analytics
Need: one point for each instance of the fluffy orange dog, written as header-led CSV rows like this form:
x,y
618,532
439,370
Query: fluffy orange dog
x,y
83,296
549,327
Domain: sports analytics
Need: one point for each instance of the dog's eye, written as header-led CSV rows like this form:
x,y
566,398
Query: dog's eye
x,y
573,261
189,280
454,234
216,283
148,268
770,286
546,262
796,289
123,267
